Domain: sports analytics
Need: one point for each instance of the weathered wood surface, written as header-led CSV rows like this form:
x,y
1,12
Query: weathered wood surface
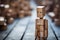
x,y
24,29
19,29
55,28
10,27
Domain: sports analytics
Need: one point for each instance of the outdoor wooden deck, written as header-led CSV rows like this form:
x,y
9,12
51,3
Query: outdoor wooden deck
x,y
24,29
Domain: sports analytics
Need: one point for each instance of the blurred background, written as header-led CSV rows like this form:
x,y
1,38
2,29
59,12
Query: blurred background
x,y
18,19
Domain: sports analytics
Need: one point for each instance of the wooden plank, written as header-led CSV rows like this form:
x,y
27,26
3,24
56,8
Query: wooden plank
x,y
30,33
56,29
51,35
53,27
3,34
19,29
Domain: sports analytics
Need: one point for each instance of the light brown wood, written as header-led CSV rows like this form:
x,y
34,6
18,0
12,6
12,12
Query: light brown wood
x,y
40,11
